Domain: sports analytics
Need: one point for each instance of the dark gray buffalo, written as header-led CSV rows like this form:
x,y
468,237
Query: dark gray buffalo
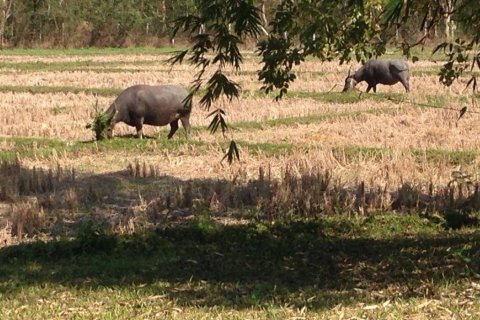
x,y
153,105
374,72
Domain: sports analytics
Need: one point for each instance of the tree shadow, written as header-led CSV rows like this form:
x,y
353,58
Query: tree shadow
x,y
246,265
203,263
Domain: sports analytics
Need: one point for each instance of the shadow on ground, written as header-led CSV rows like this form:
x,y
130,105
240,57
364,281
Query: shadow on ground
x,y
246,265
203,263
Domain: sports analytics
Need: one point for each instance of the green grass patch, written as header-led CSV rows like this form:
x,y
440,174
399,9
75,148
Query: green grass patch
x,y
380,226
345,97
316,74
24,147
269,149
31,147
255,270
87,51
423,53
304,120
104,92
426,72
460,157
355,153
40,147
154,143
435,71
433,101
64,66
109,66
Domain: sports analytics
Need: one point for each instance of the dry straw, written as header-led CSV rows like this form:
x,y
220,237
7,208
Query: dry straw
x,y
353,164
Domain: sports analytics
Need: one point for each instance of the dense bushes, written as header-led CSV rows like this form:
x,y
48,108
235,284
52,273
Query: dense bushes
x,y
78,23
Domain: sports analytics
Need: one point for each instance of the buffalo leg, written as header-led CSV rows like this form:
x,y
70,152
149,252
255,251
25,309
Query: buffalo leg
x,y
109,129
173,128
139,130
113,121
369,88
186,125
139,127
375,89
406,85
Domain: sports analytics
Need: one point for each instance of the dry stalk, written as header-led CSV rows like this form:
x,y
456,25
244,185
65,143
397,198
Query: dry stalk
x,y
16,180
139,169
27,218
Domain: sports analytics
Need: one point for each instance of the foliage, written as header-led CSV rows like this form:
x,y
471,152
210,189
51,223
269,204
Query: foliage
x,y
313,28
298,29
342,30
100,124
461,52
222,26
89,22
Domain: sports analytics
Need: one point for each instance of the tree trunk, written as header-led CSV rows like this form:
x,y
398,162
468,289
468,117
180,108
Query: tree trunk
x,y
262,13
264,17
163,14
449,24
5,14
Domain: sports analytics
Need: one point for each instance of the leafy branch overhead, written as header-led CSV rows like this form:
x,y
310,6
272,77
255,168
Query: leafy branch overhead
x,y
323,29
461,52
217,29
326,30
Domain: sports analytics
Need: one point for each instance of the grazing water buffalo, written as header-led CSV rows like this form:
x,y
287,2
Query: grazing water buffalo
x,y
379,71
153,105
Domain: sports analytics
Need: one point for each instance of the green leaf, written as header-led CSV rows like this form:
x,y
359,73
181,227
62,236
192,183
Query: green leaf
x,y
462,112
232,153
218,120
178,57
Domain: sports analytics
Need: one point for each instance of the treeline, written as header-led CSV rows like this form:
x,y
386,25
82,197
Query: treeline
x,y
79,23
113,23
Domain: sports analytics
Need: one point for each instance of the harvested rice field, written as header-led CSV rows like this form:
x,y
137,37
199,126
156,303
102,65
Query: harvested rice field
x,y
382,172
53,97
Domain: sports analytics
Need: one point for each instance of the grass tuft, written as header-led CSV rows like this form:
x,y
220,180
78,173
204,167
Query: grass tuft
x,y
100,124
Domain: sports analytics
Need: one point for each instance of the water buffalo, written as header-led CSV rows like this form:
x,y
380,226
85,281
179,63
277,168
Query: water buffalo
x,y
375,71
153,105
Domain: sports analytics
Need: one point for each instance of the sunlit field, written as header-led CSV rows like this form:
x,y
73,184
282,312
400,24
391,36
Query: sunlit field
x,y
341,206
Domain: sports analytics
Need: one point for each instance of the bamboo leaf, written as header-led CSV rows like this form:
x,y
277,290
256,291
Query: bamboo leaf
x,y
462,112
232,153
